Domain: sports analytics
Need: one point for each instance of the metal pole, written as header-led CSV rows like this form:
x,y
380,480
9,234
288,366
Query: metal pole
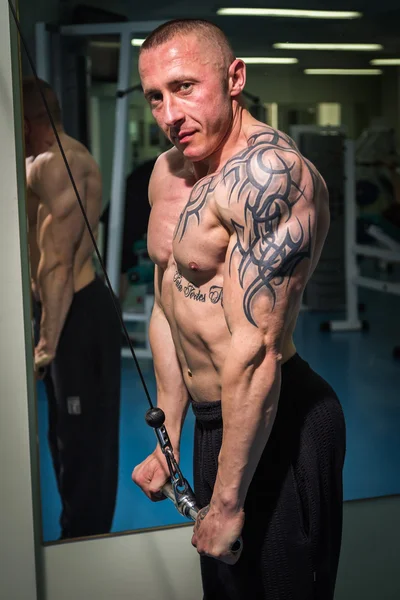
x,y
118,171
58,66
43,52
350,236
352,322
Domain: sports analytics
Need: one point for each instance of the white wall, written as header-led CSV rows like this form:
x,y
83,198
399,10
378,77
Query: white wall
x,y
143,566
162,565
17,552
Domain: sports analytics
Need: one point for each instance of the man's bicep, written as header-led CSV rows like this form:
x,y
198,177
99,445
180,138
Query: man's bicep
x,y
266,271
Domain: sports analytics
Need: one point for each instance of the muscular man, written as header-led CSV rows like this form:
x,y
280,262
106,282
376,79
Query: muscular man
x,y
78,332
239,218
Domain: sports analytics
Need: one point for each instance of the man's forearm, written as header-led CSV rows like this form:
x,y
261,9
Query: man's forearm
x,y
250,396
56,290
172,394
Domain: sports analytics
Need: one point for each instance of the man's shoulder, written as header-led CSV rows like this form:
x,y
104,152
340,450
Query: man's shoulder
x,y
54,165
169,162
269,155
269,169
269,136
47,169
170,171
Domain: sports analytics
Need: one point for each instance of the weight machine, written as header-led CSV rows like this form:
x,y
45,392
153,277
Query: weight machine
x,y
384,246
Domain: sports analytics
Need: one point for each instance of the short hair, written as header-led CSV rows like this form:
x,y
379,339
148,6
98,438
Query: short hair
x,y
200,27
34,107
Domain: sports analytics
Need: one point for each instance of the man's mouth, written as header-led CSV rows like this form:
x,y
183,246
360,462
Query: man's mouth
x,y
184,136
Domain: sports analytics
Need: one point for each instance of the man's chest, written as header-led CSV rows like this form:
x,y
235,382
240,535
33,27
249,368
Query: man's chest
x,y
184,229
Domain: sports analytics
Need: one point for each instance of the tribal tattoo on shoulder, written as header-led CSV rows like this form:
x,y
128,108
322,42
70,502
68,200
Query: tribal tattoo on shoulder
x,y
264,183
196,203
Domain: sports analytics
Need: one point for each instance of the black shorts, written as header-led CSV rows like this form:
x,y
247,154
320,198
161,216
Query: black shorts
x,y
293,510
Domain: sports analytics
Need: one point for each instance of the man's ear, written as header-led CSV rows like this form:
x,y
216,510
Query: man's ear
x,y
237,77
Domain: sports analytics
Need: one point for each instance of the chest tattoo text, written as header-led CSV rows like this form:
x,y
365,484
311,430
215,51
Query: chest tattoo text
x,y
190,291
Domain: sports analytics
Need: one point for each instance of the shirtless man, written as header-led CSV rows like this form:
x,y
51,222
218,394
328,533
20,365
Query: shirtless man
x,y
78,340
238,221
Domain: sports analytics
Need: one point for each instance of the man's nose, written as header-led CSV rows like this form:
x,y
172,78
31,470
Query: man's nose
x,y
173,113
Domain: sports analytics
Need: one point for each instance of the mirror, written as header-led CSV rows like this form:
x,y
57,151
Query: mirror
x,y
348,327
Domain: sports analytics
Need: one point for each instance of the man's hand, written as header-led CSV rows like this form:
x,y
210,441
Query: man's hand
x,y
152,474
43,357
215,532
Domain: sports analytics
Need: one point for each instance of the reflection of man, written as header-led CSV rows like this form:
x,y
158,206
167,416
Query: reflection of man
x,y
136,217
78,332
239,218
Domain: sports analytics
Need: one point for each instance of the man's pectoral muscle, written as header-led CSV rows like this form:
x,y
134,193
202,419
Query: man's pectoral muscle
x,y
269,209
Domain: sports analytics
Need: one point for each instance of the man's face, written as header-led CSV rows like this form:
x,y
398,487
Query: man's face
x,y
184,84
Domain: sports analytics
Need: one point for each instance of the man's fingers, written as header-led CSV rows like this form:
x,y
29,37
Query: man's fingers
x,y
151,480
156,494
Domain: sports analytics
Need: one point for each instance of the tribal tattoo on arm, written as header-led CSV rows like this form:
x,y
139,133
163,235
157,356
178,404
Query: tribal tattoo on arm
x,y
268,191
270,197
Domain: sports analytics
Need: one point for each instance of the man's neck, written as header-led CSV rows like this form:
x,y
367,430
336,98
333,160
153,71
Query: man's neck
x,y
234,141
49,140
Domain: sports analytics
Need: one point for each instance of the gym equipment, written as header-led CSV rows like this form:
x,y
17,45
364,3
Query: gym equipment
x,y
178,490
347,227
326,148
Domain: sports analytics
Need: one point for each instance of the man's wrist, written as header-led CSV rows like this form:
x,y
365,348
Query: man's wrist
x,y
175,450
227,499
44,346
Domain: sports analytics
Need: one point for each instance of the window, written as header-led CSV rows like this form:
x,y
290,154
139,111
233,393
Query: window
x,y
329,113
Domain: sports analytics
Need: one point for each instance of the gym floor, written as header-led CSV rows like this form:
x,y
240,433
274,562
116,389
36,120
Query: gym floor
x,y
359,366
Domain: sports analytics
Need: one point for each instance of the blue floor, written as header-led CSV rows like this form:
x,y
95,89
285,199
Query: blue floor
x,y
358,365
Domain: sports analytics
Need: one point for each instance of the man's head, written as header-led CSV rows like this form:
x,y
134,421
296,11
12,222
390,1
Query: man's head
x,y
192,80
37,124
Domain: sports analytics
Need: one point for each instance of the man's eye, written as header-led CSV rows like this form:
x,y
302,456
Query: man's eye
x,y
186,86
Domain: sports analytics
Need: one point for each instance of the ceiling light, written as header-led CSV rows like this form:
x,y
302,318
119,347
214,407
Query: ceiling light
x,y
385,61
290,46
288,12
137,42
269,60
343,71
103,44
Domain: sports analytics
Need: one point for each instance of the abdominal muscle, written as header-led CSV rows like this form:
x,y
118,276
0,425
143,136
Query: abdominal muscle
x,y
200,333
